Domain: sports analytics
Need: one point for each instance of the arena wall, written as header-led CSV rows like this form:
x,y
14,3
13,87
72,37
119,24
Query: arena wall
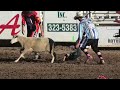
x,y
60,26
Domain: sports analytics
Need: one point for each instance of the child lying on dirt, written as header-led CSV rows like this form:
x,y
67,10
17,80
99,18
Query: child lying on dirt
x,y
73,55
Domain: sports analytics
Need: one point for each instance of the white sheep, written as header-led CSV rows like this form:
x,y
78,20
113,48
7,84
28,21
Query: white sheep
x,y
37,45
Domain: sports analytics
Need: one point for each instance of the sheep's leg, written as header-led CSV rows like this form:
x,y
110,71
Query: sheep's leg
x,y
22,49
53,57
23,57
36,56
19,58
24,52
52,53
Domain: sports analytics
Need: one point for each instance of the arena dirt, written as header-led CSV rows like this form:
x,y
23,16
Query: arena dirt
x,y
43,69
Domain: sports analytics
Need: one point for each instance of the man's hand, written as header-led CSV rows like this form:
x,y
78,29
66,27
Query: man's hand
x,y
23,31
77,45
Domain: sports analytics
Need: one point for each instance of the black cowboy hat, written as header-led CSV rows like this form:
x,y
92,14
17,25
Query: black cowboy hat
x,y
77,17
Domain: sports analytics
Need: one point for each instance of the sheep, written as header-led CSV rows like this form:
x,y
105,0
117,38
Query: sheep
x,y
37,45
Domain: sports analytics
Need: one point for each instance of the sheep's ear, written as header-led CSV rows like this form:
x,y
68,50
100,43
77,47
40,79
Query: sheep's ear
x,y
16,36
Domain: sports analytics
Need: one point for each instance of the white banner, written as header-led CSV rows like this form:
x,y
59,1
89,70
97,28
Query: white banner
x,y
10,24
60,26
56,24
109,36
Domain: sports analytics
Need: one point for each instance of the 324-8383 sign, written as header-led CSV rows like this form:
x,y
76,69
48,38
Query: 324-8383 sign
x,y
62,27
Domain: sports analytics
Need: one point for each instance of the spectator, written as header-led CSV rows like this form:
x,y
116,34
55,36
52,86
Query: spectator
x,y
33,22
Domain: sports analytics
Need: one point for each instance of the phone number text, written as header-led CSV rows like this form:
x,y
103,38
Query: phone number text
x,y
62,27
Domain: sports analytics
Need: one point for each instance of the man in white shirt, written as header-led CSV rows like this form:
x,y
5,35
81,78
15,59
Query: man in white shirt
x,y
88,35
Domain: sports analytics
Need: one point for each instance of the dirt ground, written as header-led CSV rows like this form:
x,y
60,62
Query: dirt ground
x,y
43,69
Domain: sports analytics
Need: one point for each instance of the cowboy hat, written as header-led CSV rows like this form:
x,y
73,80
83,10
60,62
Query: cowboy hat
x,y
78,15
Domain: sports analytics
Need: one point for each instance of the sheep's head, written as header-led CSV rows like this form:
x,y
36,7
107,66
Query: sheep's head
x,y
14,39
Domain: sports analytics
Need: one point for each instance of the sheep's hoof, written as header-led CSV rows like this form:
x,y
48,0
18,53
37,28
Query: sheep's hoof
x,y
52,62
36,57
65,57
16,61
